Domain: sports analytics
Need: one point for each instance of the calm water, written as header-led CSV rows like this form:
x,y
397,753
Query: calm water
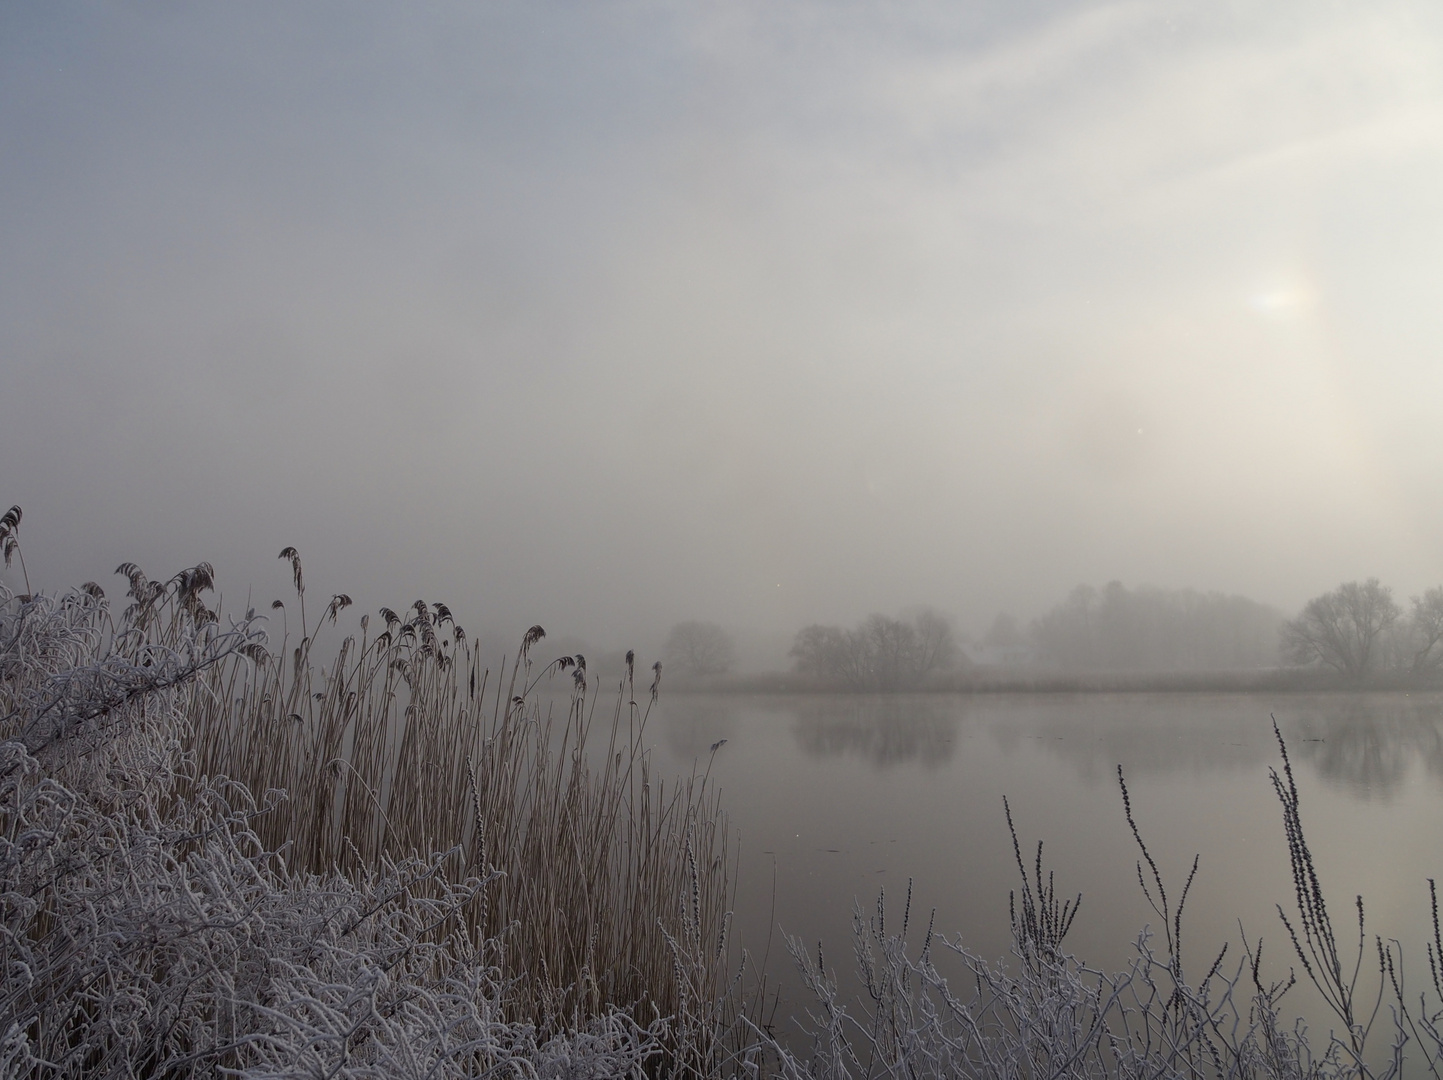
x,y
834,798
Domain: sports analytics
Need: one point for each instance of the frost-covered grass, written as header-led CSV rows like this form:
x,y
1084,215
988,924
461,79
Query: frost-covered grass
x,y
400,743
220,858
1046,1014
151,926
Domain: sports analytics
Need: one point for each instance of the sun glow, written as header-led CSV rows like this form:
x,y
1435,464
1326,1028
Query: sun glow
x,y
1281,299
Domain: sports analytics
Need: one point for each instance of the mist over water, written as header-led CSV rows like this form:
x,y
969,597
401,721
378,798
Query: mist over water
x,y
802,348
837,799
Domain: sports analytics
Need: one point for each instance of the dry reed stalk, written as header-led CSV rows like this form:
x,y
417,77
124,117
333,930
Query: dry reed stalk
x,y
610,881
144,930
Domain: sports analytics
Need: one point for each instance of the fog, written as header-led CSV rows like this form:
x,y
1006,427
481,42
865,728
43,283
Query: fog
x,y
608,316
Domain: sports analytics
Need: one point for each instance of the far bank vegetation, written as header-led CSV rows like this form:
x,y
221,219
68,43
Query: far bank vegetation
x,y
1150,629
1115,637
880,653
1356,634
699,651
1359,631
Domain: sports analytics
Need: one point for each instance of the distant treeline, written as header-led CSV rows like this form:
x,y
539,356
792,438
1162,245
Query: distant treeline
x,y
1130,638
1359,631
1149,629
1356,633
878,654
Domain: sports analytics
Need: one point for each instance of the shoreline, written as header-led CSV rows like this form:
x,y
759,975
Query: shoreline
x,y
1017,682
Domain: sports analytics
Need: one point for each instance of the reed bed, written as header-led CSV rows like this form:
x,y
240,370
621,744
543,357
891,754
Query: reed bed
x,y
608,884
524,867
146,931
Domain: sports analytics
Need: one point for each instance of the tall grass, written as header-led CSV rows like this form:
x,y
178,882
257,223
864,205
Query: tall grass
x,y
146,931
609,884
422,861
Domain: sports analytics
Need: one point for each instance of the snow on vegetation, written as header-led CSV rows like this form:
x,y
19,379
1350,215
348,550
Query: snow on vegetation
x,y
148,929
165,910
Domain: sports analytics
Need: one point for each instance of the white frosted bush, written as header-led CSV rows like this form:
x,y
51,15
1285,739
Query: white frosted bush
x,y
144,930
1045,1014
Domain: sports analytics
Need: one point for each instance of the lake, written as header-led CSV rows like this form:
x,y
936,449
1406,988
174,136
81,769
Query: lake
x,y
836,797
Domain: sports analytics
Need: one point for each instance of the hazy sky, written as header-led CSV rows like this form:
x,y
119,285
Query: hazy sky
x,y
609,315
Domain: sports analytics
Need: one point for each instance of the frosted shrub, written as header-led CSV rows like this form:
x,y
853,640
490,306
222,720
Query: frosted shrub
x,y
1038,1016
144,929
1045,1014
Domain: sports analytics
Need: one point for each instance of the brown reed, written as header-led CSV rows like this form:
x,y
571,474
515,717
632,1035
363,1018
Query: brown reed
x,y
608,885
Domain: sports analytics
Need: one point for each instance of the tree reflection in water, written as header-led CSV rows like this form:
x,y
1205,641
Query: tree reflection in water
x,y
890,729
1368,743
1148,733
1363,742
692,723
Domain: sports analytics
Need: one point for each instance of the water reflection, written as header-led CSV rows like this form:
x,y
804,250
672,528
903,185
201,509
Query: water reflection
x,y
1145,733
692,724
832,797
1363,743
886,731
1367,746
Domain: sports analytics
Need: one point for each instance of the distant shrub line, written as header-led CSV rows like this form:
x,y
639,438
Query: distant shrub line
x,y
1115,637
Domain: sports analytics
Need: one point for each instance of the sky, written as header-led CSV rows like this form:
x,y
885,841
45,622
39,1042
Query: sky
x,y
609,315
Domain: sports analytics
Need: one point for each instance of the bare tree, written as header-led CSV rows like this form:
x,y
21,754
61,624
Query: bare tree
x,y
890,648
1343,629
1004,633
1150,629
879,654
699,649
831,653
1424,634
936,647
